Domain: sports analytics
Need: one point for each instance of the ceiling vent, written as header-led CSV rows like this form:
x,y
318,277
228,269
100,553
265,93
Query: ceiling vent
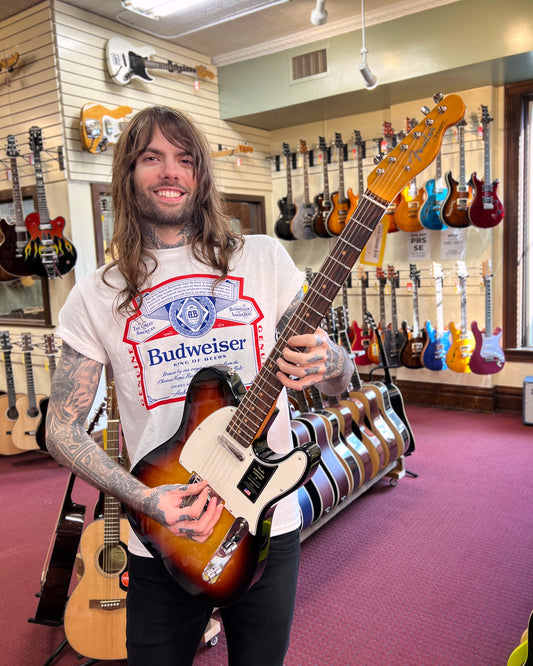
x,y
309,64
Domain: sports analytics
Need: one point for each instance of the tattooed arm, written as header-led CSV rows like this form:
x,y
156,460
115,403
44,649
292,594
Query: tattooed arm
x,y
313,359
72,394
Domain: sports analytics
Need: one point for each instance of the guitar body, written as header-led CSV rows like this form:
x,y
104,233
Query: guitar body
x,y
460,351
124,64
351,441
239,543
360,344
430,217
40,434
282,226
338,216
55,580
318,224
487,357
8,418
397,427
435,349
393,343
25,428
95,616
486,209
371,445
373,348
33,251
407,215
301,225
398,406
455,207
411,352
375,422
391,212
100,127
9,260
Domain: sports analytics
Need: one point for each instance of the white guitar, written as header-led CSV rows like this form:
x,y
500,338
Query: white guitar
x,y
126,62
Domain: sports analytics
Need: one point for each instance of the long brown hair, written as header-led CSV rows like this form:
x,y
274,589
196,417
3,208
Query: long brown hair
x,y
212,240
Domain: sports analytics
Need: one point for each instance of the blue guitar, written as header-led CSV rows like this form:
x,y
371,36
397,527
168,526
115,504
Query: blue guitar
x,y
430,213
438,340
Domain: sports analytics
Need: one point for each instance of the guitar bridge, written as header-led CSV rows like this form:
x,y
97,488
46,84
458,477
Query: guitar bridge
x,y
227,547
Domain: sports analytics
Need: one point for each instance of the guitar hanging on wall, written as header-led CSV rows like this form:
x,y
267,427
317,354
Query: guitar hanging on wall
x,y
126,62
223,440
100,127
48,253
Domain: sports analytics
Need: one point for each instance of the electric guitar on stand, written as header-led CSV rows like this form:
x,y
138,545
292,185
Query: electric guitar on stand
x,y
287,209
48,253
462,340
126,62
486,209
487,357
223,440
301,223
323,200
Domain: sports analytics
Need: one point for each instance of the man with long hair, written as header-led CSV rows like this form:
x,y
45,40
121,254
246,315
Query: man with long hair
x,y
183,292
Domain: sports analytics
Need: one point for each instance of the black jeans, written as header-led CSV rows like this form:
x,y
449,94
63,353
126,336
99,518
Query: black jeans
x,y
165,623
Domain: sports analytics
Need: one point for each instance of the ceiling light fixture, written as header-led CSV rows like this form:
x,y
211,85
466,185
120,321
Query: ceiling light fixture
x,y
371,81
319,15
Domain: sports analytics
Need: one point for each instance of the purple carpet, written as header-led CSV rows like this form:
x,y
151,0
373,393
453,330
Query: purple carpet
x,y
436,570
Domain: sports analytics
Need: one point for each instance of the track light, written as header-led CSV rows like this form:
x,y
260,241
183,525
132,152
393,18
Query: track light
x,y
319,14
371,81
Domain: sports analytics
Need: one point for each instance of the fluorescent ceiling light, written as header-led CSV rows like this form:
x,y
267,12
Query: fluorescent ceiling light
x,y
156,9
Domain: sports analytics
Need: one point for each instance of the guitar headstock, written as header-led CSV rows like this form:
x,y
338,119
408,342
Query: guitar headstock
x,y
486,268
322,145
111,400
339,145
302,147
25,342
35,139
417,150
5,342
362,275
485,116
393,275
381,277
49,344
204,73
286,150
243,148
436,270
414,274
462,272
12,150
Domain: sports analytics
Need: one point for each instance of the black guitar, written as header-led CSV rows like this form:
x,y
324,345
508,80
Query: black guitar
x,y
287,208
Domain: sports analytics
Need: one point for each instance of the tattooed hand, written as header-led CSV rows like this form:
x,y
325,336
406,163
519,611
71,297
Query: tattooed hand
x,y
314,359
186,510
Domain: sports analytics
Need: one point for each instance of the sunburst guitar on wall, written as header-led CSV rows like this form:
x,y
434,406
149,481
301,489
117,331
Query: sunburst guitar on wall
x,y
411,352
48,253
455,206
487,357
338,215
95,616
100,127
222,437
126,62
462,340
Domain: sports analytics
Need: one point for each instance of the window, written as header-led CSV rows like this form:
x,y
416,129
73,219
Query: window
x,y
518,223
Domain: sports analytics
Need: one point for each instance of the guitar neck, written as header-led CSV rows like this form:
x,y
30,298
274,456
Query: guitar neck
x,y
462,167
464,315
488,306
438,299
10,380
168,66
42,206
30,385
112,506
325,174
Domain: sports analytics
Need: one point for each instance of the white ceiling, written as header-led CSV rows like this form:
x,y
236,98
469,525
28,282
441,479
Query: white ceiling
x,y
274,27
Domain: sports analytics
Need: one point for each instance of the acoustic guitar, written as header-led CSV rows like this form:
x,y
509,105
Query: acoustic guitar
x,y
222,437
455,207
95,616
487,356
437,339
126,62
486,209
100,127
287,209
462,340
302,222
415,339
48,253
323,200
50,350
13,234
8,401
338,215
29,405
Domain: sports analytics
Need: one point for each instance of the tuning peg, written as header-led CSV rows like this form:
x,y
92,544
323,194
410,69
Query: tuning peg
x,y
378,158
425,110
438,97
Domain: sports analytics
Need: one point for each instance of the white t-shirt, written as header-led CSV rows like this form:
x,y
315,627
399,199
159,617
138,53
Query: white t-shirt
x,y
182,327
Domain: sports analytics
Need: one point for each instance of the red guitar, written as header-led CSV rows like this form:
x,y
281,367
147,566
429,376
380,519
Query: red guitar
x,y
47,253
362,335
486,209
487,357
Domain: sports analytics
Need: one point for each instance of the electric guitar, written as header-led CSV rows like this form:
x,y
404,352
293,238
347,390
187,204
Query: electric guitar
x,y
486,209
407,213
359,148
100,127
301,223
322,200
14,234
395,336
338,215
95,616
373,347
8,401
126,62
487,357
411,352
228,152
287,209
48,253
8,64
462,340
437,339
223,439
28,406
455,207
362,336
430,213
